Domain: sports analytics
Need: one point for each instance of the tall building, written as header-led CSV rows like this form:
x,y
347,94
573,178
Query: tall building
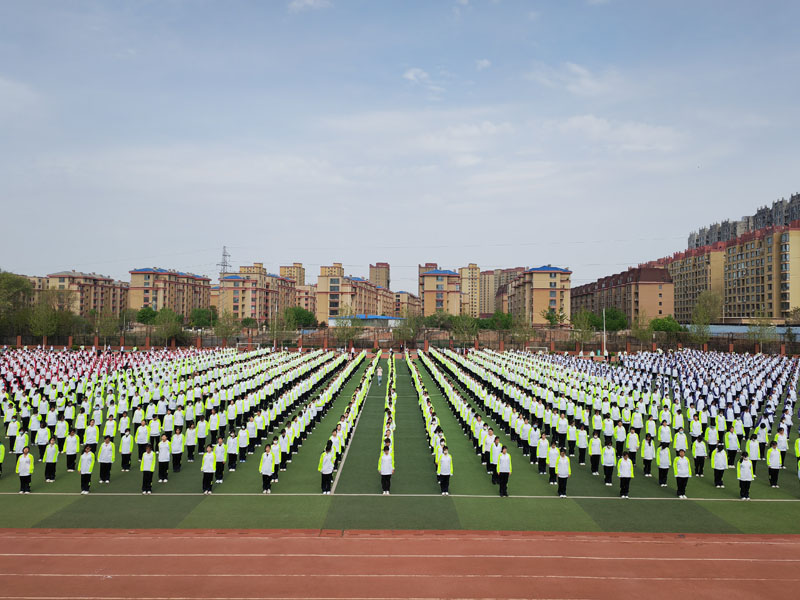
x,y
782,212
296,272
84,292
638,292
423,269
335,270
255,293
488,290
379,275
162,288
441,291
339,295
470,290
406,304
539,289
307,297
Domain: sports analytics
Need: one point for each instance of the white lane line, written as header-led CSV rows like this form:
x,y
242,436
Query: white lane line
x,y
347,450
374,555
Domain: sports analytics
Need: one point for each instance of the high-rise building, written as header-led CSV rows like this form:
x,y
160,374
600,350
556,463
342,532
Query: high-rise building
x,y
645,292
296,272
335,270
488,292
423,269
255,293
379,275
441,291
470,290
82,293
407,304
339,295
307,297
540,289
163,288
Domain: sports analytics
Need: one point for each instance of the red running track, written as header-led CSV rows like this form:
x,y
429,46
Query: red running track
x,y
267,564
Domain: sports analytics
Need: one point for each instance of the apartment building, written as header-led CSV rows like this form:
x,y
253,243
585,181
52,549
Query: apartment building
x,y
645,291
539,289
307,297
470,290
339,295
379,275
255,293
406,303
83,293
490,282
165,288
441,291
296,272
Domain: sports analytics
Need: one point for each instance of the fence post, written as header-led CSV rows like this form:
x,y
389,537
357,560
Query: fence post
x,y
627,346
96,341
757,349
147,343
654,347
476,343
502,345
783,349
705,347
69,342
426,345
325,341
121,341
730,346
552,344
249,343
198,342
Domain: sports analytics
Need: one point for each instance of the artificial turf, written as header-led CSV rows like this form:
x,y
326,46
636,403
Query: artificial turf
x,y
415,502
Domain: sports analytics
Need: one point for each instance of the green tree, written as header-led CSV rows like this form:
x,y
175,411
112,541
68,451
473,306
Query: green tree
x,y
762,330
616,320
642,328
348,328
299,317
226,326
582,329
107,325
707,310
127,317
465,328
499,321
409,329
146,316
168,325
16,292
553,317
249,323
200,317
521,331
439,320
668,324
43,319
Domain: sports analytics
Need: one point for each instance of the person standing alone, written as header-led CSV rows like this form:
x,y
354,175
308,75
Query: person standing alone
x,y
386,469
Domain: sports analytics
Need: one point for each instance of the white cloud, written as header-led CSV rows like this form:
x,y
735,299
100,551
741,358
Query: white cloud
x,y
628,136
578,79
483,63
422,78
416,75
301,5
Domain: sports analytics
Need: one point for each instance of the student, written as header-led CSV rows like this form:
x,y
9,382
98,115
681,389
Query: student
x,y
326,460
609,460
503,470
583,444
125,450
71,446
2,457
232,445
209,466
176,448
85,468
744,473
595,452
267,469
191,441
163,455
699,451
25,465
386,469
219,459
50,461
444,471
494,454
105,456
663,464
147,466
719,462
563,471
542,448
774,463
625,474
552,458
648,455
683,471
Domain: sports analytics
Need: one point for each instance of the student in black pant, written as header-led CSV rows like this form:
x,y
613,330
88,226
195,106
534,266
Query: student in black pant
x,y
147,466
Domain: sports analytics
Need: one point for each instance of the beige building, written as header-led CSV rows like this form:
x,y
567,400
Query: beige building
x,y
470,290
307,297
163,288
751,272
441,291
335,270
255,293
82,293
646,291
539,289
430,266
379,275
339,295
296,272
406,303
490,282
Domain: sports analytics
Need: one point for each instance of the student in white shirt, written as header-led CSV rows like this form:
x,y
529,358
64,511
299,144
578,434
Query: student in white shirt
x,y
147,465
25,466
683,471
444,471
503,470
267,469
208,466
744,473
563,471
386,469
164,452
625,474
326,461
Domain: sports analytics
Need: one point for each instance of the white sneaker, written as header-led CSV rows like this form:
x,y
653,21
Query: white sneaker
x,y
269,491
264,491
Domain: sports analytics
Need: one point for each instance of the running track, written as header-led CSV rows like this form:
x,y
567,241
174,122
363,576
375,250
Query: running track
x,y
267,564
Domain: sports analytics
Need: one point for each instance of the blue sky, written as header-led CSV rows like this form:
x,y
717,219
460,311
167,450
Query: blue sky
x,y
588,134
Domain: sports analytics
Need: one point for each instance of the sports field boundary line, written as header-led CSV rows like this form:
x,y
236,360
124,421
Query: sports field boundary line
x,y
432,495
346,450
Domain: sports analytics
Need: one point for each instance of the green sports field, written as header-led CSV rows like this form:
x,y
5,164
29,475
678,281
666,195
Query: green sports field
x,y
415,502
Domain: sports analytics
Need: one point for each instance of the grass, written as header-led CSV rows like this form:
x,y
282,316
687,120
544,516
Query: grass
x,y
415,502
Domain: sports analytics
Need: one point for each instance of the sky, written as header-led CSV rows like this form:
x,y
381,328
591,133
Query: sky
x,y
588,134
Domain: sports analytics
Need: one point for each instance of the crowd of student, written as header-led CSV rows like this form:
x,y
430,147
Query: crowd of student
x,y
677,411
161,405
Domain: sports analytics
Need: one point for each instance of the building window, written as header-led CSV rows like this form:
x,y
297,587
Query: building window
x,y
439,278
439,286
439,296
552,294
552,302
334,288
552,284
440,304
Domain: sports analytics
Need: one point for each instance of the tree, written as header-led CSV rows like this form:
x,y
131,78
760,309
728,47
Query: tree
x,y
439,320
249,323
465,328
43,319
409,328
521,331
348,328
127,317
762,330
642,328
107,325
226,326
499,321
582,328
146,316
276,326
616,320
201,317
168,325
707,310
15,295
554,318
668,324
299,317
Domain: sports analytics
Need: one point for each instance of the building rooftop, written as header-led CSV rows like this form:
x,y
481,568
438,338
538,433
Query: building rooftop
x,y
79,274
159,270
547,269
440,272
